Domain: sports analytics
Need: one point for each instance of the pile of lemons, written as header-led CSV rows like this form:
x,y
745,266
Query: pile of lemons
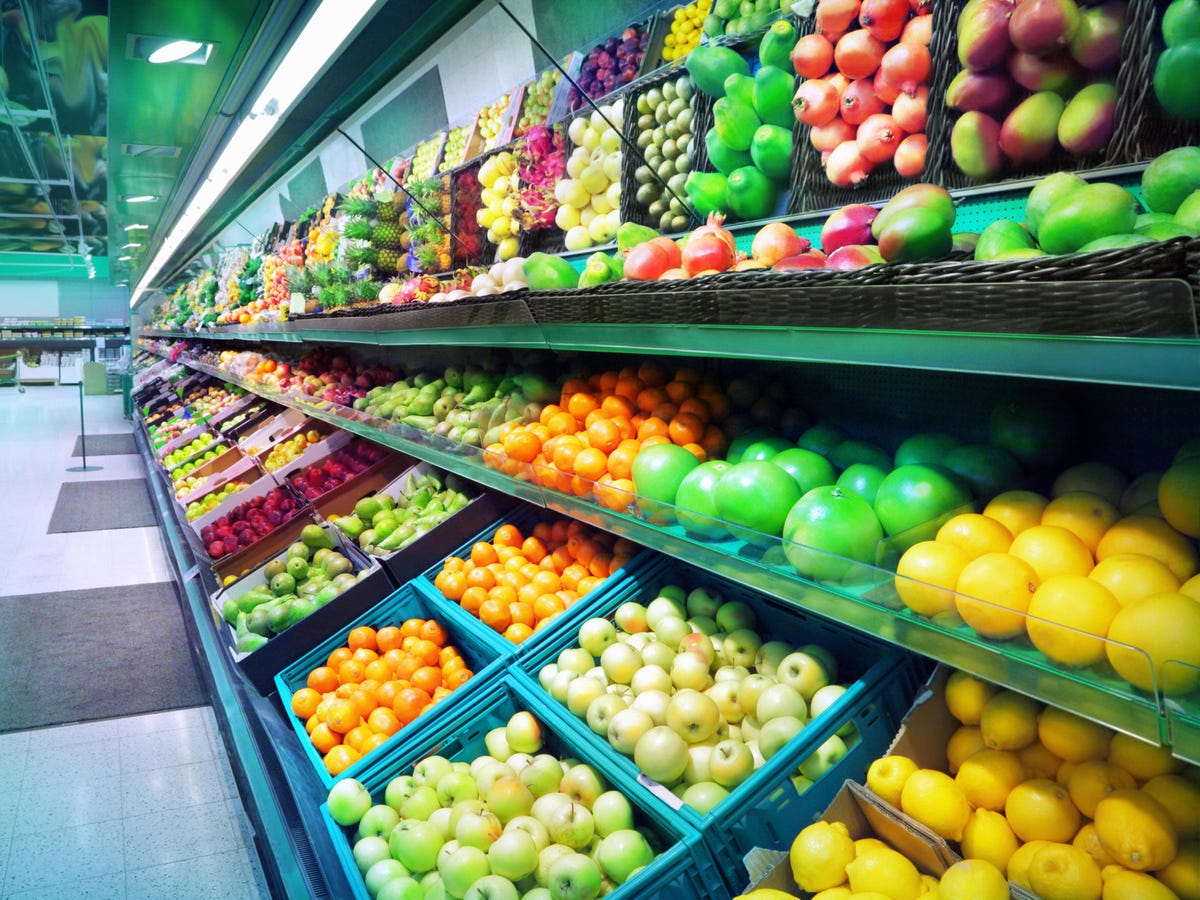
x,y
687,24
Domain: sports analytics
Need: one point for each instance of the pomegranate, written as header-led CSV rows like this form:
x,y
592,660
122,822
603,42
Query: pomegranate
x,y
649,260
910,156
918,31
906,65
710,248
810,259
886,91
812,56
884,18
840,82
826,137
909,110
878,137
775,241
847,166
815,102
858,54
860,101
835,16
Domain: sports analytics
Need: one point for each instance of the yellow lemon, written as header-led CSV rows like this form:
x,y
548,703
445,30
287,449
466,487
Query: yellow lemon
x,y
927,575
929,885
1092,781
993,594
819,855
987,777
1073,737
1136,830
1089,842
1141,759
1041,809
1132,576
1009,721
1064,872
972,879
862,845
1163,637
1018,864
1179,496
1069,617
1084,514
966,695
1181,799
1191,587
1096,477
1121,884
975,535
1142,495
1063,776
988,836
870,895
1150,537
886,871
934,800
1016,510
966,741
886,777
1051,551
1182,874
1038,760
834,893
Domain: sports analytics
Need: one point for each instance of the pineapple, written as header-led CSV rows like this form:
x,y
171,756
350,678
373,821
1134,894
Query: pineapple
x,y
366,292
388,211
335,295
359,208
428,258
362,256
387,261
358,230
386,234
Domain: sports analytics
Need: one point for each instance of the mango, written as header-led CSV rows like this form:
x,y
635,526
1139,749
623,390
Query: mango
x,y
1188,214
775,48
1174,78
1045,194
723,157
975,145
1181,22
1145,220
1058,73
1042,27
735,122
965,241
740,87
771,96
1001,237
1165,231
549,273
917,196
1030,131
1116,242
978,91
915,234
983,40
1021,253
1087,214
709,67
771,151
1171,178
1096,44
750,194
706,192
1087,122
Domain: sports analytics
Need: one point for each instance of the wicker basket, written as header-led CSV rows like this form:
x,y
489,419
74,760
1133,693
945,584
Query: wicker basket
x,y
1144,130
944,51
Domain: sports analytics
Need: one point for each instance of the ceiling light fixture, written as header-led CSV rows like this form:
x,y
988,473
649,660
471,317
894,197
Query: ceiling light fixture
x,y
135,227
124,258
327,30
174,51
129,246
141,198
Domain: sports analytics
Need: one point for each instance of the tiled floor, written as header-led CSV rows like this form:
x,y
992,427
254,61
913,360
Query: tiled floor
x,y
138,807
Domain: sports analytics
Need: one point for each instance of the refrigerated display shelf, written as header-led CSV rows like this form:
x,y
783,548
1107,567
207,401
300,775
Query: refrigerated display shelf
x,y
1110,702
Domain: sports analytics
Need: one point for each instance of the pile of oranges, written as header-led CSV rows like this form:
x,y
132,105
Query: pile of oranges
x,y
586,443
516,584
375,685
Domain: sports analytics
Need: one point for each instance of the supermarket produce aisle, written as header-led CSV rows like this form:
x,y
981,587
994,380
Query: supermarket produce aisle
x,y
131,807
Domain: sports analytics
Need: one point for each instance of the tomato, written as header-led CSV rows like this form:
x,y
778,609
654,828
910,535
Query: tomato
x,y
764,448
658,471
758,496
821,439
912,496
739,444
831,530
849,453
809,469
863,479
696,501
987,469
927,449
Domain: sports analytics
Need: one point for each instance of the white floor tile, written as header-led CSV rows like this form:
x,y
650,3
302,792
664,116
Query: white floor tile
x,y
178,747
193,784
80,762
222,876
63,856
54,738
174,835
168,720
52,805
105,887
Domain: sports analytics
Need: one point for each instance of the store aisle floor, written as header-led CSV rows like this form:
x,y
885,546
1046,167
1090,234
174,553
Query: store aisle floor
x,y
136,807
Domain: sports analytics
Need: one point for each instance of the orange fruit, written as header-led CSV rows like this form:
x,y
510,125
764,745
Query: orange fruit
x,y
342,716
339,656
356,735
975,535
304,702
604,435
409,704
517,632
686,428
1150,536
507,536
323,679
324,738
362,637
427,678
389,637
1016,510
451,584
340,758
994,593
591,464
482,554
1051,550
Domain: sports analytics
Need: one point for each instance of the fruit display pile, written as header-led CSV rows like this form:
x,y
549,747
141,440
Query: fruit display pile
x,y
865,89
192,455
735,18
212,500
610,65
517,583
535,104
1036,77
286,451
339,467
504,814
491,122
214,400
248,522
1181,35
687,27
376,684
309,575
455,153
708,700
665,135
589,198
383,524
425,159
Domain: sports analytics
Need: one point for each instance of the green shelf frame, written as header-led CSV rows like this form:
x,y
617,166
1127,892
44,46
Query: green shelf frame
x,y
1111,703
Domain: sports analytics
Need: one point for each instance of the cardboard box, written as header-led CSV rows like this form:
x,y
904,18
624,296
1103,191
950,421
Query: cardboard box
x,y
315,453
260,487
228,465
190,435
240,564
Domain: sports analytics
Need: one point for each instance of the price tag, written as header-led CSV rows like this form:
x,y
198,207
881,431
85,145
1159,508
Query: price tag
x,y
659,791
298,304
191,573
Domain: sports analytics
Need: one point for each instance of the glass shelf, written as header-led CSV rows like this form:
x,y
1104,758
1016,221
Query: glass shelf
x,y
864,599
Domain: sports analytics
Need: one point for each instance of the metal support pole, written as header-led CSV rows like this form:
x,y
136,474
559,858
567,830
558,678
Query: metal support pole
x,y
83,440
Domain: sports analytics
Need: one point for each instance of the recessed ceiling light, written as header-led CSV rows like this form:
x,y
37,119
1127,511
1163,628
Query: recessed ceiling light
x,y
129,246
140,198
124,258
174,51
135,227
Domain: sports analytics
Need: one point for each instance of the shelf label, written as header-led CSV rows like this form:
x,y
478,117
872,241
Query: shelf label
x,y
659,791
191,573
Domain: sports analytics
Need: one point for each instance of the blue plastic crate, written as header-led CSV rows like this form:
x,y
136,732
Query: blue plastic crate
x,y
684,868
485,658
880,689
566,622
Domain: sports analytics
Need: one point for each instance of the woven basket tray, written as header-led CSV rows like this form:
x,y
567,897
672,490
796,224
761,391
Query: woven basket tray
x,y
1144,130
946,65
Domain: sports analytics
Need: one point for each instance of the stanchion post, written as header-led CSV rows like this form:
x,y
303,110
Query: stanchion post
x,y
83,440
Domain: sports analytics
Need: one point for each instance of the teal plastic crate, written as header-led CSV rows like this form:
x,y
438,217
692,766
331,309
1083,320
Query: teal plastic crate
x,y
881,683
566,622
684,866
486,658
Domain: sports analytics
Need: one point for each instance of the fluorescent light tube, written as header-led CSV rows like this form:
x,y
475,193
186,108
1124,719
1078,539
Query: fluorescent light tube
x,y
174,51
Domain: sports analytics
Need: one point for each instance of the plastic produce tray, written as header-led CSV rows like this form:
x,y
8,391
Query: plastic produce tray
x,y
566,622
482,657
684,869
